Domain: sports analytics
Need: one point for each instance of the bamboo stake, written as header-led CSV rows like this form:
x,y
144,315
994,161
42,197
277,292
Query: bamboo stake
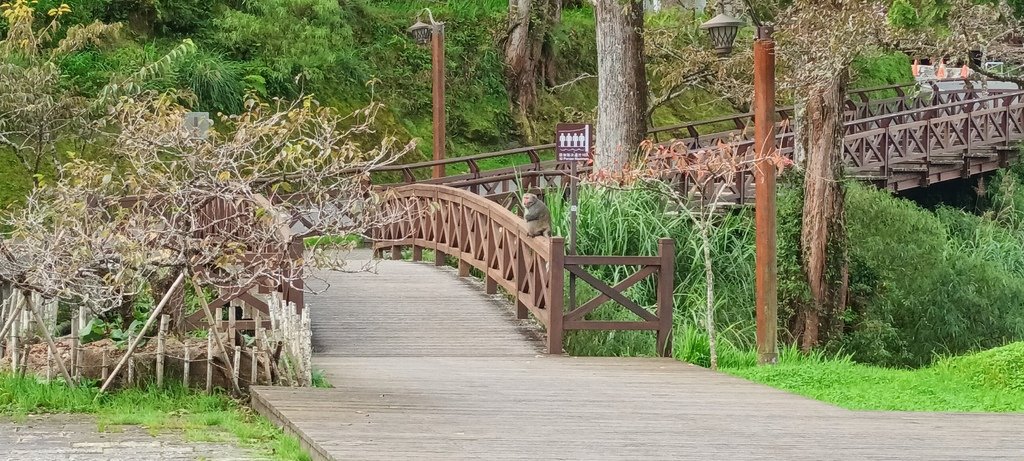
x,y
105,366
185,365
13,314
232,319
14,343
131,370
219,316
254,371
24,360
161,344
216,338
49,365
49,342
135,341
261,342
81,347
209,362
5,305
74,347
266,367
237,363
9,325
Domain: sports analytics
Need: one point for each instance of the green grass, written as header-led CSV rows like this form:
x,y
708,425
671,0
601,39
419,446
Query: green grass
x,y
334,241
320,379
199,416
989,381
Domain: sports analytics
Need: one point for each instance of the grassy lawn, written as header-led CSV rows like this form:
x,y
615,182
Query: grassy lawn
x,y
989,381
200,417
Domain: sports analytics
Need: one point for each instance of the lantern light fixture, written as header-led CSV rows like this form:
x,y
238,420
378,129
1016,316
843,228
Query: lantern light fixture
x,y
723,29
422,32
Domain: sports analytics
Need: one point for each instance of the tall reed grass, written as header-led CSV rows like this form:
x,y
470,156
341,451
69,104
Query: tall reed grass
x,y
923,284
630,222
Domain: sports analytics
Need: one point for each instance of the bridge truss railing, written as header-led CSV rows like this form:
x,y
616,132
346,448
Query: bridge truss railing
x,y
481,234
697,135
952,124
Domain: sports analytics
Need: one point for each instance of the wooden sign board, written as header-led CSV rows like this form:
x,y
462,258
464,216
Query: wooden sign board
x,y
572,141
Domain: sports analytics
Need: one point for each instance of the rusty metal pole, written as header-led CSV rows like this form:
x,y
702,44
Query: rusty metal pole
x,y
766,282
437,55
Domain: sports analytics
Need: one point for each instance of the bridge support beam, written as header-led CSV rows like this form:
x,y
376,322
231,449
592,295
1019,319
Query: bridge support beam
x,y
766,278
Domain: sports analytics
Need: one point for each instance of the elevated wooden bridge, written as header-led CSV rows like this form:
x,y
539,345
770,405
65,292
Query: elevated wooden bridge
x,y
919,137
432,364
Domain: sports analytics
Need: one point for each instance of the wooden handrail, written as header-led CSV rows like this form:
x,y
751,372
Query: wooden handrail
x,y
694,136
481,234
940,107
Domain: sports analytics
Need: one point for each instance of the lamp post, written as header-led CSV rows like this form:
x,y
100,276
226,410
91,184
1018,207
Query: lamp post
x,y
433,34
722,29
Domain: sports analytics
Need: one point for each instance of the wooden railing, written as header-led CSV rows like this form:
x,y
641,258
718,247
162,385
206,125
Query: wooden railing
x,y
695,135
481,234
960,122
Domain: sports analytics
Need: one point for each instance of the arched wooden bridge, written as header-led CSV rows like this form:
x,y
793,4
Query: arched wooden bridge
x,y
432,364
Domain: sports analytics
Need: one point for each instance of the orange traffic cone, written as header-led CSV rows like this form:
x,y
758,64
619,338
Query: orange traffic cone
x,y
940,70
964,72
915,68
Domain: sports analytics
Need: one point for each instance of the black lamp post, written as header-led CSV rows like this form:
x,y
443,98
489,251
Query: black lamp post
x,y
722,29
433,33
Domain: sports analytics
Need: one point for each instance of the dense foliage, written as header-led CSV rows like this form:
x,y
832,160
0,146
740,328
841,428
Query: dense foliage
x,y
923,283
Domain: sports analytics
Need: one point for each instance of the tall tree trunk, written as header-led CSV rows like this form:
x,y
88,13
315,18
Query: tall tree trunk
x,y
621,82
823,235
734,8
529,55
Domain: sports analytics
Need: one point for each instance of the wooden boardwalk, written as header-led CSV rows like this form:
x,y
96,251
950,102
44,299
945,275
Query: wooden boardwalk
x,y
425,366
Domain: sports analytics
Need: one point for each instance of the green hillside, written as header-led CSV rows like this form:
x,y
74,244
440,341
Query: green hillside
x,y
349,52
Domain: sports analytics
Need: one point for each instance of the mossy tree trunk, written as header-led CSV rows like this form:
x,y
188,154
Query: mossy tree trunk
x,y
621,82
530,56
823,235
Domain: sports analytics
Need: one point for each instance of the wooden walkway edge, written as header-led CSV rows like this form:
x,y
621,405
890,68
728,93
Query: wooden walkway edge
x,y
412,381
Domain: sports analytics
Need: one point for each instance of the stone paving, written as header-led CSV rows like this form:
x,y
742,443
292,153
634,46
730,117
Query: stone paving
x,y
76,437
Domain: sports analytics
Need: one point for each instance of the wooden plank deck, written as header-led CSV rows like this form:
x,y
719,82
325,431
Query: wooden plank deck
x,y
428,367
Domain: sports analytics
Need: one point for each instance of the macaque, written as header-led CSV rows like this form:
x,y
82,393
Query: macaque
x,y
538,218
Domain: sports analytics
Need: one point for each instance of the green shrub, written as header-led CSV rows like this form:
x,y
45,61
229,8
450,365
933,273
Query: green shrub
x,y
217,82
922,284
881,69
917,290
285,38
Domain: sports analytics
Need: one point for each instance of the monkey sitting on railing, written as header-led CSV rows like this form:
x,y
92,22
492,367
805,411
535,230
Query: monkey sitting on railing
x,y
538,218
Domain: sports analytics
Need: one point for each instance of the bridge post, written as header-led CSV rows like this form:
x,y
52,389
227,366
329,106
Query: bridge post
x,y
666,300
556,294
522,312
766,273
